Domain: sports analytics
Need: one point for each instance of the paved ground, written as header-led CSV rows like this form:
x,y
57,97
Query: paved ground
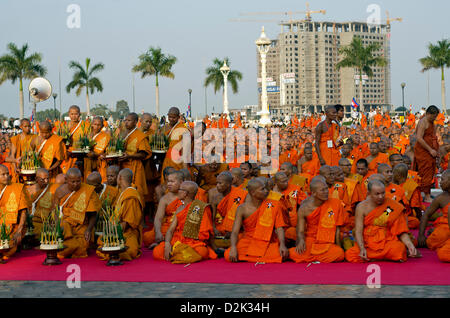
x,y
18,289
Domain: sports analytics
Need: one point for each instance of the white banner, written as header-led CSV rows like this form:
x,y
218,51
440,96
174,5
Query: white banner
x,y
268,79
289,80
288,75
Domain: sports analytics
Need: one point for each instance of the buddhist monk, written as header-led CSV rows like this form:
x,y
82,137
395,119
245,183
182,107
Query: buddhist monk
x,y
426,151
238,178
393,190
381,232
261,219
187,238
201,195
375,158
166,209
50,149
346,166
327,139
41,197
105,192
94,160
299,180
246,168
360,192
76,131
161,189
337,190
441,233
293,197
137,149
395,159
208,174
13,209
20,144
112,173
174,131
129,206
79,205
308,164
320,217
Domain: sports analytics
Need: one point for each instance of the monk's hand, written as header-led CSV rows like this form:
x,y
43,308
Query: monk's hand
x,y
363,254
102,156
167,251
17,238
284,252
300,247
233,254
412,251
159,237
87,235
433,153
422,241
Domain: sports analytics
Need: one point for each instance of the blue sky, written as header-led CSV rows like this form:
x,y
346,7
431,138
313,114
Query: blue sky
x,y
116,32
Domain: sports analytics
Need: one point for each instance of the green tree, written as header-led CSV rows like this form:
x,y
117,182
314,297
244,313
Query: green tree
x,y
438,58
17,65
47,114
122,109
83,78
101,110
356,55
215,78
154,62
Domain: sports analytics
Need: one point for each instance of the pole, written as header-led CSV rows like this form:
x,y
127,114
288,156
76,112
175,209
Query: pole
x,y
134,103
206,103
60,95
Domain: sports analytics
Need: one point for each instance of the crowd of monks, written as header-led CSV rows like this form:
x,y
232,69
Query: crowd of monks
x,y
338,193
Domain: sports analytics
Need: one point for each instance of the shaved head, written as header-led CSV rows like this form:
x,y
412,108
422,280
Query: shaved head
x,y
174,111
254,184
378,177
226,176
94,178
190,187
45,125
126,175
178,175
316,182
42,172
74,172
186,174
60,178
383,167
279,176
237,172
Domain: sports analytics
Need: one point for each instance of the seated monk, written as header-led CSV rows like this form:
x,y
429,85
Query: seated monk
x,y
41,199
414,205
166,208
79,205
188,235
208,174
202,195
224,200
346,177
360,192
238,178
13,209
395,159
375,158
411,174
320,217
293,197
260,217
105,192
381,232
308,164
393,191
161,189
441,233
111,175
295,179
337,189
130,206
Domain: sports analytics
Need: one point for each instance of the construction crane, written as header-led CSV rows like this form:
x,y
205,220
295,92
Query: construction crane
x,y
287,14
389,20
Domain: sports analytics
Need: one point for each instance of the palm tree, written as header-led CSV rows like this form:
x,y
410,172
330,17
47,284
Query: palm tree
x,y
438,58
154,62
362,58
83,78
18,66
215,77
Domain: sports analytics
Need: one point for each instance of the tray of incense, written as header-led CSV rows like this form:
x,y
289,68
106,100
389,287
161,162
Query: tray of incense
x,y
22,171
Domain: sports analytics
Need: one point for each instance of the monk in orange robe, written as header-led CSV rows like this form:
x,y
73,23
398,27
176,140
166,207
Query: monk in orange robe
x,y
129,205
13,210
381,232
308,164
20,144
337,190
320,217
174,131
188,235
50,150
327,139
292,196
378,119
360,192
105,192
165,211
201,195
238,123
438,239
261,218
345,176
411,120
376,157
363,121
93,161
238,178
208,174
79,205
289,154
137,149
41,198
426,151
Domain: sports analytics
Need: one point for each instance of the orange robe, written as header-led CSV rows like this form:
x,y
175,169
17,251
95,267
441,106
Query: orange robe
x,y
411,121
378,120
50,151
320,234
293,196
258,242
363,121
42,203
311,167
151,174
175,136
413,200
75,205
109,193
149,236
200,245
360,192
75,132
209,180
130,205
330,153
101,142
382,226
226,209
202,195
440,119
22,144
13,199
373,165
424,163
441,233
351,185
136,142
289,156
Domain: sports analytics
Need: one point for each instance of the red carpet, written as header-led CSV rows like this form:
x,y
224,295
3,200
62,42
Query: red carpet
x,y
26,265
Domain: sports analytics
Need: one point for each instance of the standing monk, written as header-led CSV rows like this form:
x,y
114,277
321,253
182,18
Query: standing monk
x,y
79,205
50,150
129,206
174,131
381,232
13,209
76,132
327,139
20,144
261,218
426,151
137,149
94,160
